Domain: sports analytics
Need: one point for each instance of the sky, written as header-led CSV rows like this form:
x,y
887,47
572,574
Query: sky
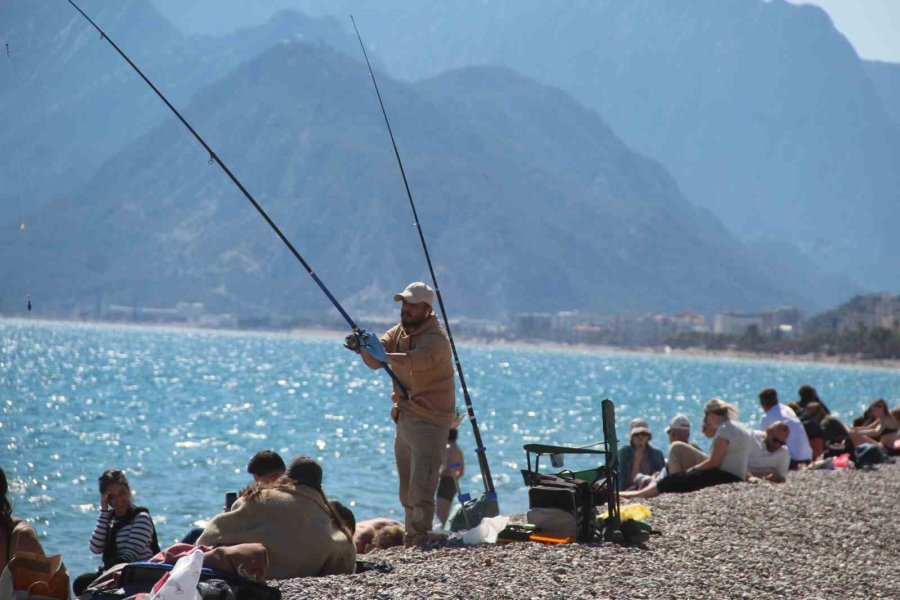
x,y
872,26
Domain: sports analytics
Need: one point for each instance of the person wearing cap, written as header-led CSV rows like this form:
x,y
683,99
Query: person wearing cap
x,y
679,429
418,351
682,453
639,456
293,519
726,463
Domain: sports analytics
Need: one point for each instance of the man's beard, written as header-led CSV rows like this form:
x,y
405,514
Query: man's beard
x,y
409,321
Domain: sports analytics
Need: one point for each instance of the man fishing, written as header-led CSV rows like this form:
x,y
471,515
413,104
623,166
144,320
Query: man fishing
x,y
418,350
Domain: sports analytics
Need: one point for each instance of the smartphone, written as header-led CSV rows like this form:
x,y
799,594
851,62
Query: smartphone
x,y
230,497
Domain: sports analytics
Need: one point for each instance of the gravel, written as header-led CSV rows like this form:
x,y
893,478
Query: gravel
x,y
822,534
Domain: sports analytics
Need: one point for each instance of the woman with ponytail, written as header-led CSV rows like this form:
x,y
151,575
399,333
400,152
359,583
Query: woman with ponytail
x,y
293,519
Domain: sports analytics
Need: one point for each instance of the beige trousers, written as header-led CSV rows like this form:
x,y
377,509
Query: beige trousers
x,y
682,457
419,448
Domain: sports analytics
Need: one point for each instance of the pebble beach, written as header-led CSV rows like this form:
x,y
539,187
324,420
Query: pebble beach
x,y
822,534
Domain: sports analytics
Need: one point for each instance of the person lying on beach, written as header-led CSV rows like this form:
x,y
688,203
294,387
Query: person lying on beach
x,y
879,425
124,532
727,462
639,456
769,458
293,519
16,535
378,534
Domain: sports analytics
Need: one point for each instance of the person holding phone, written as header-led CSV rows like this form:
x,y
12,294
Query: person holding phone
x,y
124,532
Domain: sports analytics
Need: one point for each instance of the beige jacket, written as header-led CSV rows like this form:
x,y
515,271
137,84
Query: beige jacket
x,y
294,526
429,382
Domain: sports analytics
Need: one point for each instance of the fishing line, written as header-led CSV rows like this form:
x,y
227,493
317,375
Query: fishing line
x,y
18,192
213,158
480,450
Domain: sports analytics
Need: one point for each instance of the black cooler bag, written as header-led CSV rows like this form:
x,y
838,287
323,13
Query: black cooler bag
x,y
571,495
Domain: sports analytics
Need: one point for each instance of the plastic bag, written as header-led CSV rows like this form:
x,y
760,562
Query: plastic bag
x,y
638,512
486,532
181,582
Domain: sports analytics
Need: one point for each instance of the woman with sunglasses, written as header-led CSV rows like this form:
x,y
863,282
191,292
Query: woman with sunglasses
x,y
769,457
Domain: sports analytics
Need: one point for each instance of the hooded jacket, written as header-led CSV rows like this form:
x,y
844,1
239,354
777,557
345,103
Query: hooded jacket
x,y
429,381
294,525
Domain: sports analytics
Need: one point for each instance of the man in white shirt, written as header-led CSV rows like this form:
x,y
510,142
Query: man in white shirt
x,y
769,457
797,442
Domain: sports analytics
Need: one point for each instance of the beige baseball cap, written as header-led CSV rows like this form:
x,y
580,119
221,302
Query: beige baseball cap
x,y
415,293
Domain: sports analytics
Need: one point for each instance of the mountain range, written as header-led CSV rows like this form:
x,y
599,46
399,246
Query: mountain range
x,y
529,199
69,103
522,191
761,110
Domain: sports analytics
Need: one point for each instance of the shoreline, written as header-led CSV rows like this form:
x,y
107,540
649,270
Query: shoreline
x,y
333,334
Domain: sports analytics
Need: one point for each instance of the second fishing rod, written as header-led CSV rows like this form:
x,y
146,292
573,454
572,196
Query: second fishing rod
x,y
213,157
480,450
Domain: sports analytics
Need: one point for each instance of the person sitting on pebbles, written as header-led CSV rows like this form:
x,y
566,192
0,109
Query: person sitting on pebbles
x,y
879,427
639,456
303,534
727,463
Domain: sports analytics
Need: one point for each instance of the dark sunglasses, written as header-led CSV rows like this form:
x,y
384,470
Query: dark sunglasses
x,y
776,441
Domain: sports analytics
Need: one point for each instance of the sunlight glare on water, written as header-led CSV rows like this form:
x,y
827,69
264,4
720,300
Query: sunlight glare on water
x,y
182,411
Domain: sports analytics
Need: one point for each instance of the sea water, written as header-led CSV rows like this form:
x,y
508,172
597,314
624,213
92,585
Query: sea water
x,y
182,411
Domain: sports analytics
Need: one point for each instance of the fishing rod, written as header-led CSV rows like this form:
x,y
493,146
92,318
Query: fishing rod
x,y
214,158
18,170
480,450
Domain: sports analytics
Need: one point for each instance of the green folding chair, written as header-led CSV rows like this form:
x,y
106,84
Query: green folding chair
x,y
607,473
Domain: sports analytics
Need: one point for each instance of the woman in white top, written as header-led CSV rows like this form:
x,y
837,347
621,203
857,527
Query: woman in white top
x,y
726,463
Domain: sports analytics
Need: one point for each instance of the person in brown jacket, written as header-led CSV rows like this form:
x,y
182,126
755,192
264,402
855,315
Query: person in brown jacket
x,y
292,518
418,351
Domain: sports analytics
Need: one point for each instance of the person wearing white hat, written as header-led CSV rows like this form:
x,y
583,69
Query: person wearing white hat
x,y
679,429
639,456
682,453
418,351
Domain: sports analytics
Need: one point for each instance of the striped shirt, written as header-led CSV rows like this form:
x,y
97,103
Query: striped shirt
x,y
133,541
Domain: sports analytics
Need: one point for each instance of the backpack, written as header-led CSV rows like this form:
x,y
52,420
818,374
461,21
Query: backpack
x,y
869,455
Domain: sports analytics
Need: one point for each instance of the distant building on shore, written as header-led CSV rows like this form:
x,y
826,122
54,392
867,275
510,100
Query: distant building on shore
x,y
783,320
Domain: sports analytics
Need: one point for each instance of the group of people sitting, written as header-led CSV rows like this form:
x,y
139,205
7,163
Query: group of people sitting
x,y
282,525
802,434
282,520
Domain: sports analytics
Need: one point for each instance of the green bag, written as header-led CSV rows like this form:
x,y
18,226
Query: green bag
x,y
470,513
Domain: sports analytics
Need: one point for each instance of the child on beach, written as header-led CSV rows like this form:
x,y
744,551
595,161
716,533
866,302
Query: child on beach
x,y
449,476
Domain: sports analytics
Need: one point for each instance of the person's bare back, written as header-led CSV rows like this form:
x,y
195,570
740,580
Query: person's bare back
x,y
377,534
